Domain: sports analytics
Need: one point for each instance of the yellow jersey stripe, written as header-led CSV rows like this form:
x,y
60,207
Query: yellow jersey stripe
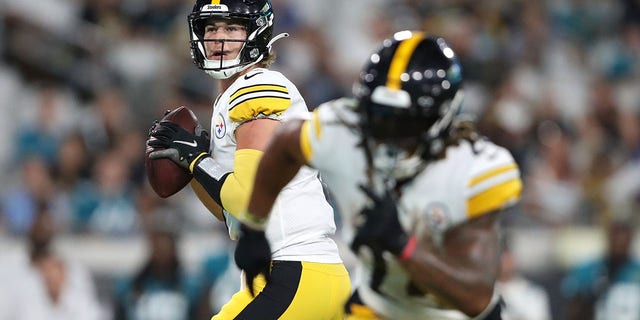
x,y
401,60
305,131
492,173
494,198
251,108
316,123
305,144
215,1
258,88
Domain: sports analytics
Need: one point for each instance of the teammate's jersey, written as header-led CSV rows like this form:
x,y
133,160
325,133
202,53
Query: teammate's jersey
x,y
301,221
469,182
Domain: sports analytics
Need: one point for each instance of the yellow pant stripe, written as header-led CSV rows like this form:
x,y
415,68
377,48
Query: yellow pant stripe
x,y
321,294
323,291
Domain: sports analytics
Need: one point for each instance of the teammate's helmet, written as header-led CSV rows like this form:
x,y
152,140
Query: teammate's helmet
x,y
409,92
255,15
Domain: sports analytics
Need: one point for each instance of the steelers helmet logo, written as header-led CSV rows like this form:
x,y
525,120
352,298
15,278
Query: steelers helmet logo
x,y
219,127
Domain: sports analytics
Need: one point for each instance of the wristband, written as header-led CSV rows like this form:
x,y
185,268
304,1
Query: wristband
x,y
195,161
210,166
408,250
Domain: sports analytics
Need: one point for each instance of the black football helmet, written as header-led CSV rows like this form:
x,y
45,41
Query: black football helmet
x,y
408,94
257,17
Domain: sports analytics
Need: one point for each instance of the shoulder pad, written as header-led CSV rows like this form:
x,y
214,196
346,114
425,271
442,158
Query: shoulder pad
x,y
494,181
261,93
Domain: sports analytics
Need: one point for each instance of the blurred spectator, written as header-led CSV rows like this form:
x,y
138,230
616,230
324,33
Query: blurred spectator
x,y
20,203
11,91
39,138
160,15
47,113
114,213
308,60
553,192
631,11
71,176
139,61
609,287
523,299
106,117
602,117
161,289
594,182
73,161
583,20
106,14
218,277
128,146
621,189
509,118
45,285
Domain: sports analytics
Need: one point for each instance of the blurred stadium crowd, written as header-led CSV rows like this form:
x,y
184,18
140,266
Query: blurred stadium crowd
x,y
557,82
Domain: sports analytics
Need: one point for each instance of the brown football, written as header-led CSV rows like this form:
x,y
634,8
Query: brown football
x,y
165,176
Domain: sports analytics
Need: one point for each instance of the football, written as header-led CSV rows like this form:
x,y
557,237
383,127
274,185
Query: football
x,y
165,176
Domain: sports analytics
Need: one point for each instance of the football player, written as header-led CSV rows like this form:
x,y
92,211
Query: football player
x,y
419,190
305,278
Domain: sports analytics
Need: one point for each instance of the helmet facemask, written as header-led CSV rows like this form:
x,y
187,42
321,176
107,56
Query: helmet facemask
x,y
256,45
403,147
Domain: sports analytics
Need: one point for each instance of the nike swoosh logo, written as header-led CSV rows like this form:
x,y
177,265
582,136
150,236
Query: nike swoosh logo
x,y
247,77
191,144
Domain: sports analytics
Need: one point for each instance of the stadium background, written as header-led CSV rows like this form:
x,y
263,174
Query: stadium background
x,y
556,82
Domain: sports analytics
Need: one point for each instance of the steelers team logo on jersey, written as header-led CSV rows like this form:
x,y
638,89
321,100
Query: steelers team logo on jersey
x,y
219,127
437,216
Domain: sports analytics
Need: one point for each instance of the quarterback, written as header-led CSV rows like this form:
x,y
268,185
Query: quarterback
x,y
419,190
305,278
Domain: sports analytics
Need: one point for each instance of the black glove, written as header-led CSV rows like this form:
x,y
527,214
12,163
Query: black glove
x,y
178,144
381,229
253,254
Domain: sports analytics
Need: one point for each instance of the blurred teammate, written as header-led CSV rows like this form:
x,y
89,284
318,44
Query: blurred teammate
x,y
231,41
420,193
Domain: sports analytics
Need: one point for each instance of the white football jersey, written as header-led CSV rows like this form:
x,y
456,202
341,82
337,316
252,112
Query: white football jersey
x,y
301,221
469,182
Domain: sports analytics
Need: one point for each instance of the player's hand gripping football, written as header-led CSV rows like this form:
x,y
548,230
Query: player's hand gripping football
x,y
253,254
177,144
381,228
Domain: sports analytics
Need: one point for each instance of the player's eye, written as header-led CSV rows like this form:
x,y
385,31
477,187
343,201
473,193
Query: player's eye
x,y
234,28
